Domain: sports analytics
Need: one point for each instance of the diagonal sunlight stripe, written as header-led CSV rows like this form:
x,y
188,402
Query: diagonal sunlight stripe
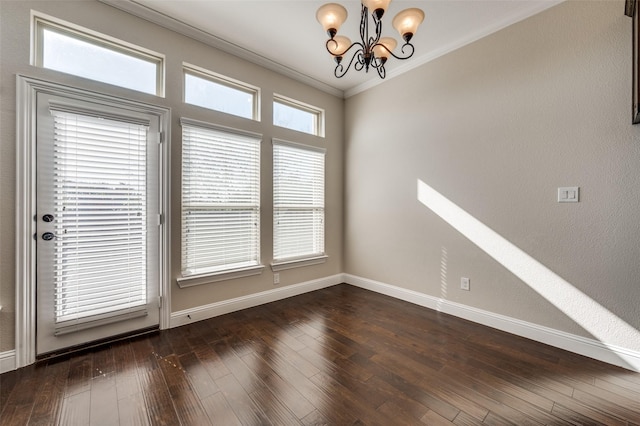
x,y
586,312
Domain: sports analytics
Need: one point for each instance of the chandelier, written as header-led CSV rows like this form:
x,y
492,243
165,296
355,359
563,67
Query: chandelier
x,y
371,51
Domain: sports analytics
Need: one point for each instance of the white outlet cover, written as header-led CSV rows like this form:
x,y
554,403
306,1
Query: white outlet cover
x,y
569,194
465,283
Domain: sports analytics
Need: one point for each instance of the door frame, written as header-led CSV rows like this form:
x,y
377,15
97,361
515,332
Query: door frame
x,y
27,89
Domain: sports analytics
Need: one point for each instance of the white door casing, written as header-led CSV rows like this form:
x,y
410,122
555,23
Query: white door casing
x,y
27,216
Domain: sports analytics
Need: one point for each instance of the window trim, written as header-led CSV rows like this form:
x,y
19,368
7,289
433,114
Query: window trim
x,y
222,80
291,263
41,21
184,281
319,122
213,277
219,128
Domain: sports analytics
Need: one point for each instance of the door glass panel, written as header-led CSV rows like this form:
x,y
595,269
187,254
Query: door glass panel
x,y
100,248
98,222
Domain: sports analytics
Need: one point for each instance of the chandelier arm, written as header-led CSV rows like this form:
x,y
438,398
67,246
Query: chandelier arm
x,y
407,44
360,62
382,72
326,45
356,43
341,70
405,56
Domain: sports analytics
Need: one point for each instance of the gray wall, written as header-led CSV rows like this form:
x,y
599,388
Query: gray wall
x,y
14,59
495,128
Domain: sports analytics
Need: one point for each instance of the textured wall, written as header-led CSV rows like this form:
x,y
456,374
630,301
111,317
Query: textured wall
x,y
14,59
488,133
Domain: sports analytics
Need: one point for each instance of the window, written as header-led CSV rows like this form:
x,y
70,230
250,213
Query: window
x,y
220,201
74,50
209,90
295,115
298,205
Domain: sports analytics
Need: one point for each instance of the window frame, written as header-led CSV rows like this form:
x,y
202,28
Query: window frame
x,y
279,264
221,80
231,272
318,113
41,21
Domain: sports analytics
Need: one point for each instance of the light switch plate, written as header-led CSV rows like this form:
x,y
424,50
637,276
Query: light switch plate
x,y
465,283
569,194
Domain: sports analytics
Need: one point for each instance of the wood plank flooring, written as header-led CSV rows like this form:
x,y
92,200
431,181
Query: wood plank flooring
x,y
337,356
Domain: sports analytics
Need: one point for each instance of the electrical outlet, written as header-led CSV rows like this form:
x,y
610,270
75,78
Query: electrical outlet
x,y
569,194
465,284
276,278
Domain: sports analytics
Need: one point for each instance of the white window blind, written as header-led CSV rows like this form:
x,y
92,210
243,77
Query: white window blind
x,y
220,199
298,201
100,209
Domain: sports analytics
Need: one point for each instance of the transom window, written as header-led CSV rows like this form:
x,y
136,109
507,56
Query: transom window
x,y
213,91
297,116
71,49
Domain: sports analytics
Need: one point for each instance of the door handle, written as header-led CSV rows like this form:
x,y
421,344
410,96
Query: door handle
x,y
48,236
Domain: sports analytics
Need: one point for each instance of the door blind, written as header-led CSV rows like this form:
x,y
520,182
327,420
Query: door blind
x,y
298,201
100,210
220,199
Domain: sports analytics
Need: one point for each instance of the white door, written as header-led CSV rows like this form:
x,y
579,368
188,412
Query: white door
x,y
98,223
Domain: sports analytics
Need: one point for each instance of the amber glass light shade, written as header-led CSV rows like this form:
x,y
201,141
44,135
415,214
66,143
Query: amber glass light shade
x,y
388,43
374,5
407,22
331,16
339,45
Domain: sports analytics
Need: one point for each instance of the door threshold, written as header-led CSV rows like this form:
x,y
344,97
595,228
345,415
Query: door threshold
x,y
93,345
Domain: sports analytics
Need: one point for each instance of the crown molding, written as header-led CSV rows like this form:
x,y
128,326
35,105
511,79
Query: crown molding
x,y
418,61
141,11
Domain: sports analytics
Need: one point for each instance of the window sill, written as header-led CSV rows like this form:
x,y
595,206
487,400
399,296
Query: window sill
x,y
281,265
213,277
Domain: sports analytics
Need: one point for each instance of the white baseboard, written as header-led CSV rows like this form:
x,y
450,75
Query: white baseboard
x,y
7,361
591,348
226,306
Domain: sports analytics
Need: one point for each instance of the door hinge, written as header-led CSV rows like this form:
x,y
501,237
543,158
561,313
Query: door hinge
x,y
157,137
159,301
160,219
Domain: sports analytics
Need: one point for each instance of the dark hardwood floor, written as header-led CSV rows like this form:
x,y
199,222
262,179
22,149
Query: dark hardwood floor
x,y
338,356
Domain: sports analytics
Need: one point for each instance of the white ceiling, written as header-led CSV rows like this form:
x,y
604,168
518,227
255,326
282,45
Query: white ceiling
x,y
284,35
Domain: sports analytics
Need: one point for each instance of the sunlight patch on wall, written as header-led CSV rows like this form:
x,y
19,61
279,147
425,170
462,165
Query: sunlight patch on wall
x,y
443,277
601,323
